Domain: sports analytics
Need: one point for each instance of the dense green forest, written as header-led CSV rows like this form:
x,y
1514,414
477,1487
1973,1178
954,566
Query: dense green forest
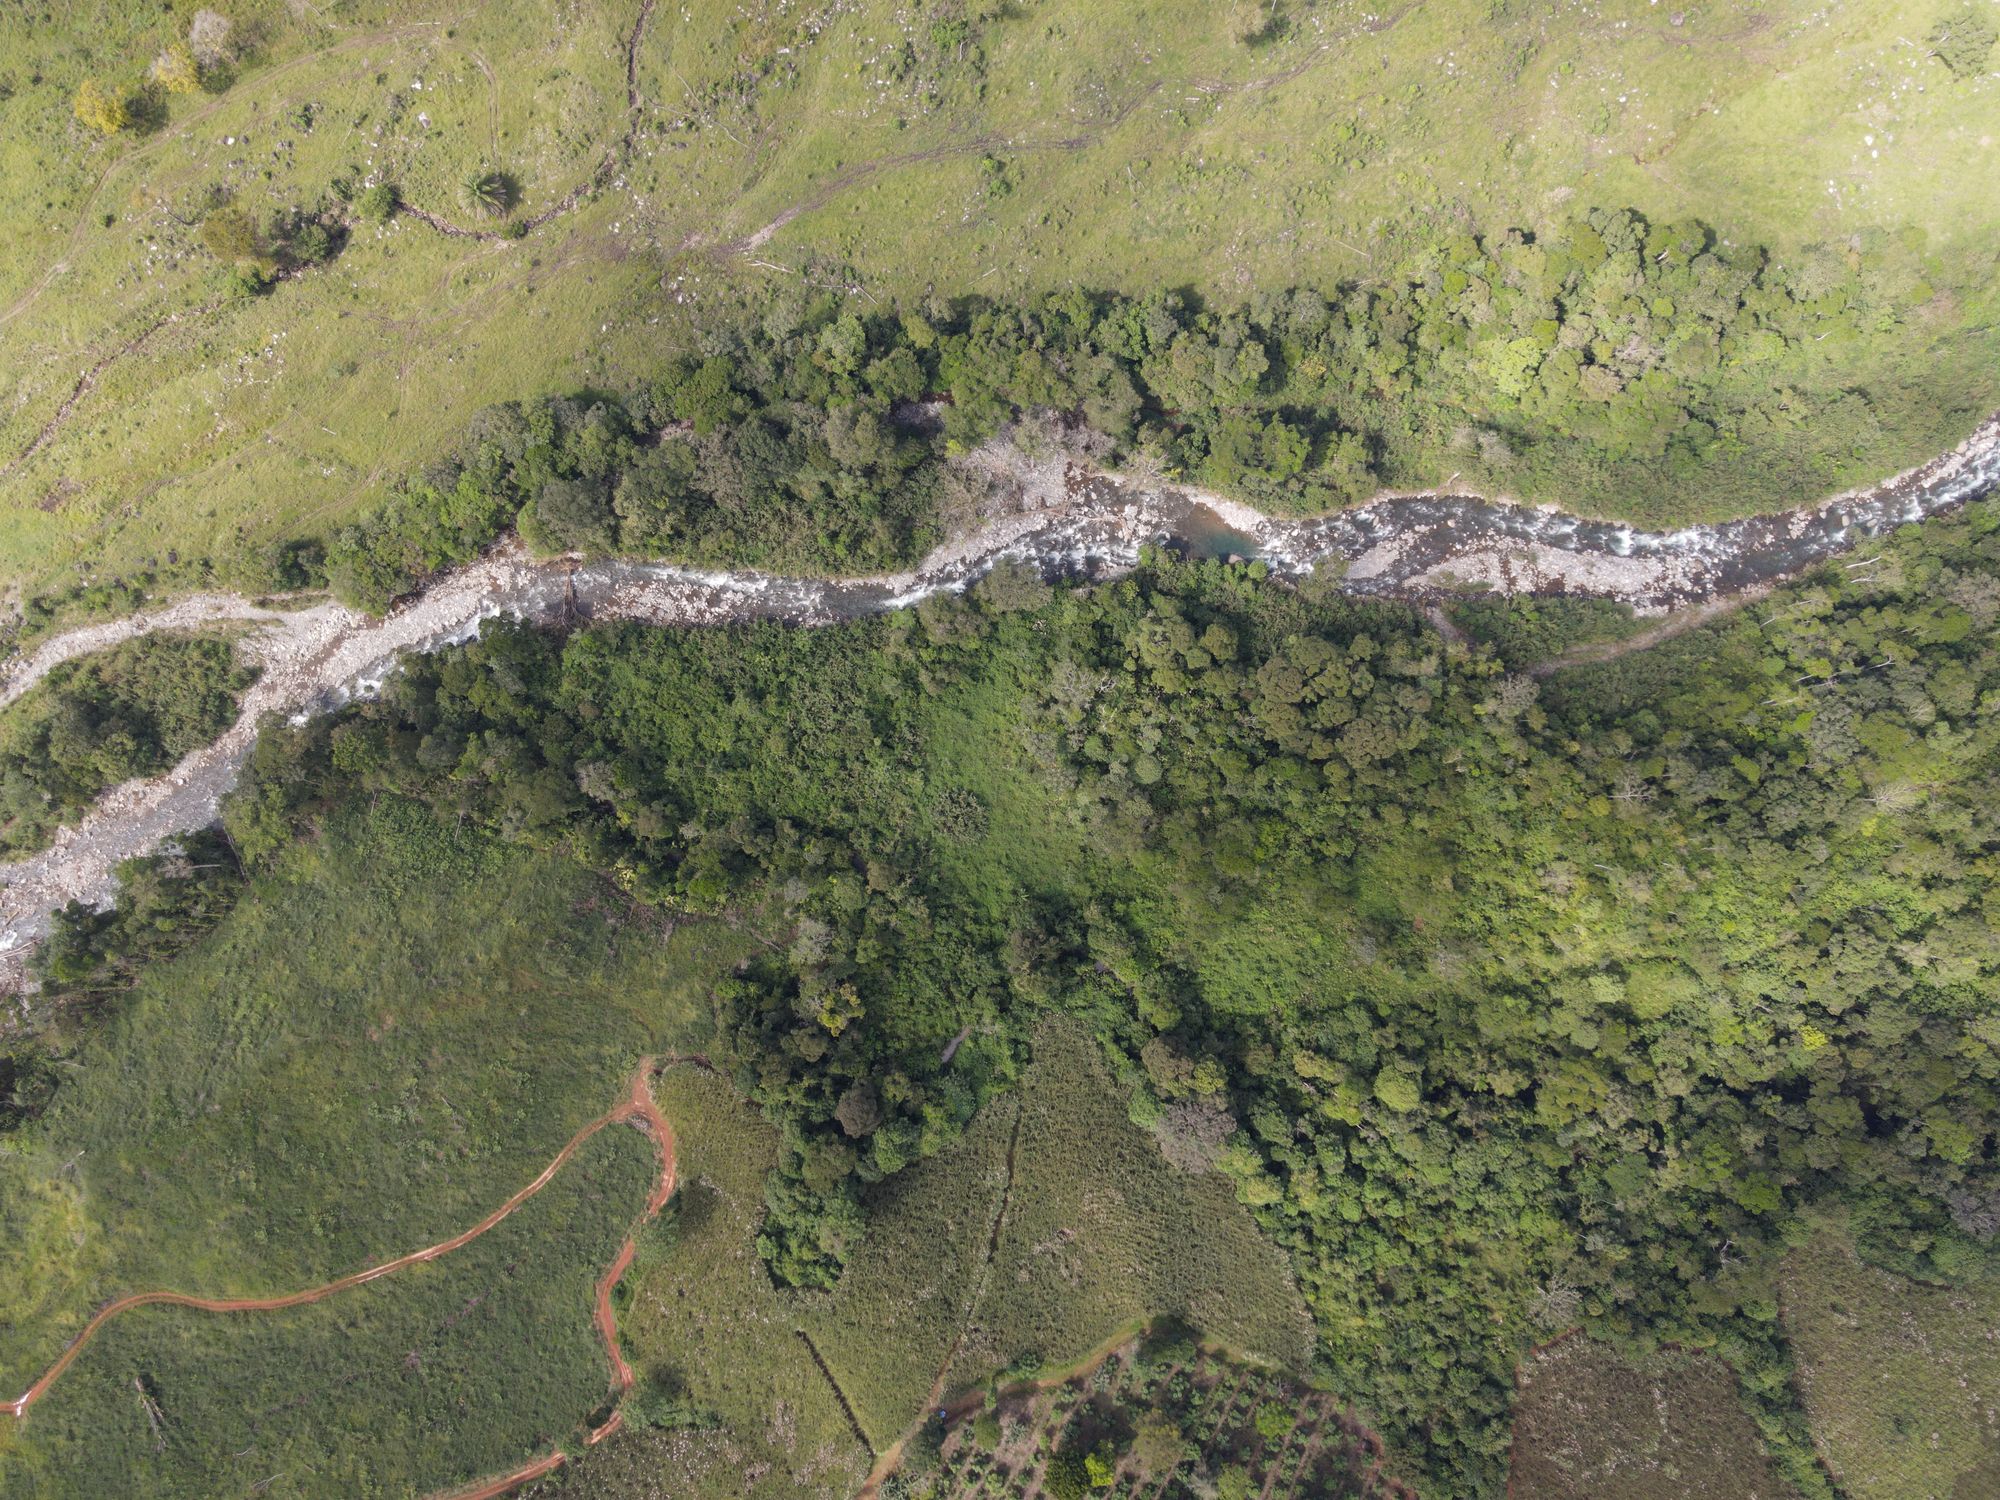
x,y
131,711
1562,1001
1609,364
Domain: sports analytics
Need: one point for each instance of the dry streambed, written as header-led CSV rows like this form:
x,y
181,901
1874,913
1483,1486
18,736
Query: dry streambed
x,y
1060,518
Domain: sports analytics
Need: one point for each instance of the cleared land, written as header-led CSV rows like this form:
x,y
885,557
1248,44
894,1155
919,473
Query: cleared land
x,y
1901,1381
1592,1422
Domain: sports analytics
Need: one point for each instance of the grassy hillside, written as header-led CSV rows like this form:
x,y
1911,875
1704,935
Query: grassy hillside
x,y
897,150
1102,1236
468,1366
390,1033
703,1324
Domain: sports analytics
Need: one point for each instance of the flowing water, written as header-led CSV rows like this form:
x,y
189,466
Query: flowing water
x,y
1087,526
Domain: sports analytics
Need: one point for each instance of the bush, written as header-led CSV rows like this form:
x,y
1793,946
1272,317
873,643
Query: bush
x,y
378,202
175,71
661,1400
105,110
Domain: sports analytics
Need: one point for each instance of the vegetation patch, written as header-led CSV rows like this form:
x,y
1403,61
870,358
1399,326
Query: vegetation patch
x,y
731,1401
1592,1421
392,1031
1102,1235
1161,1417
1524,630
1900,1379
133,710
1443,969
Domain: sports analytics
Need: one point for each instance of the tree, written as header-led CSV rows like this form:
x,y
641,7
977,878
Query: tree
x,y
311,242
105,110
175,71
574,515
1963,41
859,1110
490,191
208,36
1100,1467
1158,1445
1191,1133
1066,1477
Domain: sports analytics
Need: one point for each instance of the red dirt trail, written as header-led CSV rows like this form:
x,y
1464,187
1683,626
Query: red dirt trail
x,y
638,1106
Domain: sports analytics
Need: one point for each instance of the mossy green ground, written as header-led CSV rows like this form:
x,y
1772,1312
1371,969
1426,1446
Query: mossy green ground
x,y
1120,142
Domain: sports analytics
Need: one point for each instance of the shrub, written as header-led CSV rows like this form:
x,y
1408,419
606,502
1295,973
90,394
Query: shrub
x,y
489,191
379,202
105,110
174,70
234,238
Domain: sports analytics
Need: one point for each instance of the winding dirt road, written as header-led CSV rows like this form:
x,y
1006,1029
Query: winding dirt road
x,y
638,1106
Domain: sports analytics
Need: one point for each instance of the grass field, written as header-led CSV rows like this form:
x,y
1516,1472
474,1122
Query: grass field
x,y
886,1329
468,1366
395,1029
895,148
1592,1422
1901,1381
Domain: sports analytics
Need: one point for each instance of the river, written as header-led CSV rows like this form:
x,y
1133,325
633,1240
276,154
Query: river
x,y
1076,523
